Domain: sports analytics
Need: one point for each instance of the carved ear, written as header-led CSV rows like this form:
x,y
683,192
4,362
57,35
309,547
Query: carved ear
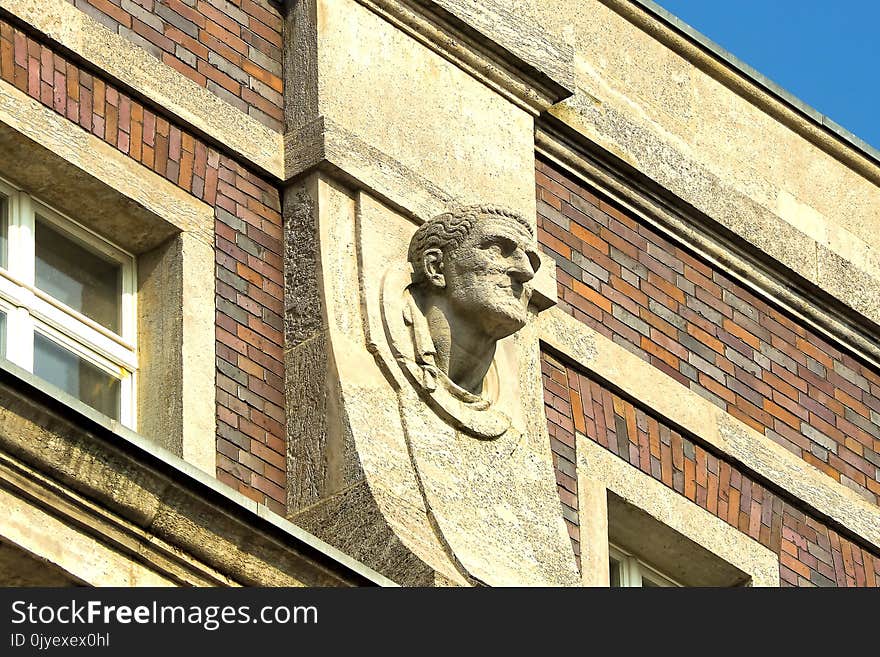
x,y
432,265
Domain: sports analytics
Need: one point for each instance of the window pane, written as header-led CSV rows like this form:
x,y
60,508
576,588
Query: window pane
x,y
4,228
76,376
615,572
2,334
647,583
78,277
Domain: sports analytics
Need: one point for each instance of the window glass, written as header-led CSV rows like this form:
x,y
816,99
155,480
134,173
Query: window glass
x,y
615,572
78,277
76,376
82,283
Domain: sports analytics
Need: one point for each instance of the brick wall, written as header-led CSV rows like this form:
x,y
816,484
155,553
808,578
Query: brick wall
x,y
709,333
232,47
250,414
810,552
562,444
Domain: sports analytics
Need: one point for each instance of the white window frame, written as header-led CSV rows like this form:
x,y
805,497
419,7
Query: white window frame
x,y
632,569
30,310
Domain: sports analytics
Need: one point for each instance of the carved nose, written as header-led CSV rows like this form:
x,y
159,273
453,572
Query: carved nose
x,y
521,271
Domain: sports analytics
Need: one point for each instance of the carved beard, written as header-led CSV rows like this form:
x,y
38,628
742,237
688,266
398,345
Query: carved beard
x,y
493,301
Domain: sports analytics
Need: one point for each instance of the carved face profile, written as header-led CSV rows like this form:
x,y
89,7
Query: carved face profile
x,y
485,277
471,270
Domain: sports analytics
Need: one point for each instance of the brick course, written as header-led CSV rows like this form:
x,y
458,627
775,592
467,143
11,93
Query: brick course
x,y
250,415
706,331
562,425
231,47
810,552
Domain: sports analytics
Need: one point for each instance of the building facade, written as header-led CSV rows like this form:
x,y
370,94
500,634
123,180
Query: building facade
x,y
633,343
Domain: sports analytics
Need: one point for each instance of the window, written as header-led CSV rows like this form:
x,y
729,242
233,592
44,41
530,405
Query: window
x,y
627,570
67,305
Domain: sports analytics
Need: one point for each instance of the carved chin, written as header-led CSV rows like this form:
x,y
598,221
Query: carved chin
x,y
507,317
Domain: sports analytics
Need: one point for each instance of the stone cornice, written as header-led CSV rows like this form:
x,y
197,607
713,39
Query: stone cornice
x,y
751,85
507,52
144,502
826,310
535,73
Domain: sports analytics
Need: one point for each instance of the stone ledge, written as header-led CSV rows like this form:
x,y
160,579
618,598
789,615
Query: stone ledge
x,y
596,464
324,145
137,69
699,417
60,162
161,498
824,283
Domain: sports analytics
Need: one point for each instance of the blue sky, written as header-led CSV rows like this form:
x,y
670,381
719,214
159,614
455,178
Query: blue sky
x,y
825,52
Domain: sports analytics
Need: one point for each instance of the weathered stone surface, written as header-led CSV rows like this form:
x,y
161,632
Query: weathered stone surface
x,y
494,502
701,418
306,393
176,365
512,26
718,554
302,298
19,568
721,143
414,106
351,520
145,509
142,71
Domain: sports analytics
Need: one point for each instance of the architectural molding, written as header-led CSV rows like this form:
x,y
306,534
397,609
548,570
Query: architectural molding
x,y
738,76
93,545
847,317
171,233
715,427
512,56
325,145
592,503
599,469
445,27
816,128
145,191
135,68
95,478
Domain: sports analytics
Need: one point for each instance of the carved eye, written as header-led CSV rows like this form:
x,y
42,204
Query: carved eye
x,y
504,245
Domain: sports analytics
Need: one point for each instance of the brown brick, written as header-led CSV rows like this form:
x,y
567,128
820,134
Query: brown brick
x,y
689,479
590,238
214,33
813,351
184,69
119,15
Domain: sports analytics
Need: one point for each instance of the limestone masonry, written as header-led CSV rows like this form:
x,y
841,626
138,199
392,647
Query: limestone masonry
x,y
426,293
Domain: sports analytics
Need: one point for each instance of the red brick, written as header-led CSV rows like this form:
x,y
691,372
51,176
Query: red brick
x,y
119,15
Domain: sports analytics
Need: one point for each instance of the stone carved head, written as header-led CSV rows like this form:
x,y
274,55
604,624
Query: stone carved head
x,y
471,269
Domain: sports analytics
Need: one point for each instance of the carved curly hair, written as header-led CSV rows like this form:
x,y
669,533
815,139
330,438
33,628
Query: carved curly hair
x,y
449,230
